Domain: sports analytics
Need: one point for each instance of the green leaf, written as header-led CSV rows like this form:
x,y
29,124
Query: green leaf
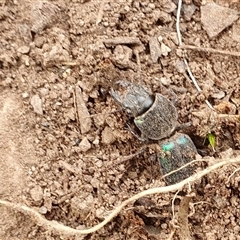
x,y
212,140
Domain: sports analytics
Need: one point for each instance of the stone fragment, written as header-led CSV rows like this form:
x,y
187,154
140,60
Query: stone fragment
x,y
188,10
165,49
36,193
168,6
218,94
155,50
121,41
216,18
36,103
24,49
43,14
84,145
107,136
122,56
82,112
42,210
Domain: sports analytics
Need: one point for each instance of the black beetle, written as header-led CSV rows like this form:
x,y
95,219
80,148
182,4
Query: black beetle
x,y
156,117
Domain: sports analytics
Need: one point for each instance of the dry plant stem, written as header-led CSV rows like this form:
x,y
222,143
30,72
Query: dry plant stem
x,y
171,234
126,158
183,230
64,230
173,212
210,50
184,59
236,170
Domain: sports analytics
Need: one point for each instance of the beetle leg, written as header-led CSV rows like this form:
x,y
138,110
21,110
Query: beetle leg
x,y
182,126
134,133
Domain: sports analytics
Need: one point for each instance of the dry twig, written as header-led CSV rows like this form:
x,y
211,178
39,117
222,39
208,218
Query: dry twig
x,y
184,59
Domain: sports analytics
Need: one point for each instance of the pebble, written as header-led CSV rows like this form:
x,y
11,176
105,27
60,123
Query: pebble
x,y
99,163
42,210
36,193
36,103
216,18
84,145
24,49
155,50
165,49
188,10
151,5
107,136
82,111
25,95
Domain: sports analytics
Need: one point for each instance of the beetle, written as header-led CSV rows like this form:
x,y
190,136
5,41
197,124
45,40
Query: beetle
x,y
157,119
154,115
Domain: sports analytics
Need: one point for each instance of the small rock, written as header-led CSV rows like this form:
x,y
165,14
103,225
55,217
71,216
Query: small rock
x,y
42,210
160,38
82,111
95,183
107,136
36,103
165,49
216,18
36,193
25,32
180,66
24,49
96,141
168,6
99,163
25,95
43,14
81,227
122,56
48,202
82,207
188,10
101,213
165,81
218,94
84,145
151,5
155,50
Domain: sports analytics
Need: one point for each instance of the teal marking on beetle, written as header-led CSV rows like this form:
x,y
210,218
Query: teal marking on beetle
x,y
181,140
168,146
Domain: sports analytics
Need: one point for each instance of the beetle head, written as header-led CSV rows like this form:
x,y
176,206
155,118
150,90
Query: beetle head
x,y
134,99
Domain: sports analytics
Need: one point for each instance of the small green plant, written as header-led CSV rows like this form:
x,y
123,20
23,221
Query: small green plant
x,y
211,139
